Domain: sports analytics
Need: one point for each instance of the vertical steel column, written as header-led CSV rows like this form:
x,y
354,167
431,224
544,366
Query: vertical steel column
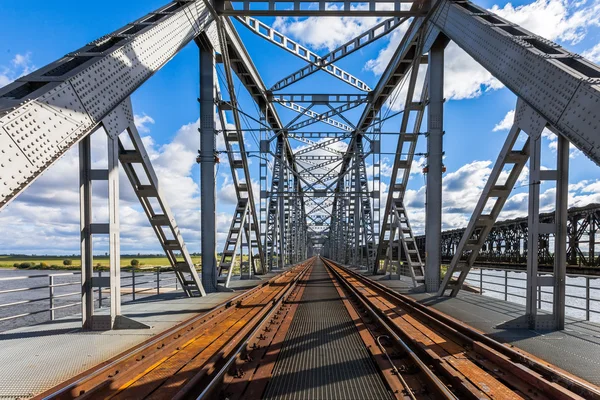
x,y
114,226
85,208
207,169
560,239
533,226
435,132
281,210
357,197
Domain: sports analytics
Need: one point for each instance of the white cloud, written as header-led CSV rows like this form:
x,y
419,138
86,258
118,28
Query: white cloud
x,y
466,79
324,32
20,65
506,123
141,122
593,54
379,64
554,19
49,209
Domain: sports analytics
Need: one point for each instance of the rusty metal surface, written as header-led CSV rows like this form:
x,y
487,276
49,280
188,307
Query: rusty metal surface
x,y
323,356
478,366
162,368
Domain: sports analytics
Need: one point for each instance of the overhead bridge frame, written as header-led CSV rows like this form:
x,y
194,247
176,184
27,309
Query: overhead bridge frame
x,y
57,107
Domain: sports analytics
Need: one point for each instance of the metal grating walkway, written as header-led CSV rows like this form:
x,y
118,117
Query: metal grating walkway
x,y
323,356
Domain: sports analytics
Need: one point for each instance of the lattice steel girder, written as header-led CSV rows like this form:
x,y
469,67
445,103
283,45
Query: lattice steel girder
x,y
563,87
295,8
266,32
494,195
362,40
330,113
321,98
405,56
76,92
242,65
239,166
320,145
306,111
402,162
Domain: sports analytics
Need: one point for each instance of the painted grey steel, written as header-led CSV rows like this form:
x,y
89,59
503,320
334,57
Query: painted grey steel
x,y
266,32
405,150
560,239
482,220
435,153
78,90
313,115
85,208
248,225
207,168
561,86
325,62
298,8
147,189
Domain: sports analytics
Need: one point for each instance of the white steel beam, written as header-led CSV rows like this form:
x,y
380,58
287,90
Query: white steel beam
x,y
362,40
322,118
564,88
50,110
266,32
346,8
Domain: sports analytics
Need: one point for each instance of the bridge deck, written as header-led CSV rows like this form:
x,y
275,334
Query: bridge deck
x,y
36,358
323,356
575,349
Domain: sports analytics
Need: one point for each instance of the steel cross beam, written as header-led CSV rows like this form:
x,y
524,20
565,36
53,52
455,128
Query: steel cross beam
x,y
320,98
362,40
559,85
407,54
347,8
289,45
326,116
239,166
320,145
318,117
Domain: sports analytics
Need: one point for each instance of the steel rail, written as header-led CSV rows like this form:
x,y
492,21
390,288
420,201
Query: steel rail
x,y
523,365
438,384
95,377
265,318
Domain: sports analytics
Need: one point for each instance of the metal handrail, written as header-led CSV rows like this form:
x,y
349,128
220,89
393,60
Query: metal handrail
x,y
477,275
152,277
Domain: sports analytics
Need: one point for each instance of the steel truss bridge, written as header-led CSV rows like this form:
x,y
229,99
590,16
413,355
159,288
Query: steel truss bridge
x,y
320,199
507,241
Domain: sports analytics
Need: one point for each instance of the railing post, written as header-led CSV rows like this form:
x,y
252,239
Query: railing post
x,y
539,290
480,281
176,281
587,298
51,292
158,280
133,283
99,290
505,285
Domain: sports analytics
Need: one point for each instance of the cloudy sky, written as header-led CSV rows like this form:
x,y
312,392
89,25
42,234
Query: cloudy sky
x,y
45,218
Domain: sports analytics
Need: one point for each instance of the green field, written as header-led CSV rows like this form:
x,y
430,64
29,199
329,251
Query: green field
x,y
56,262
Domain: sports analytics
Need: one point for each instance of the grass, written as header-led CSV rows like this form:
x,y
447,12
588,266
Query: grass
x,y
56,262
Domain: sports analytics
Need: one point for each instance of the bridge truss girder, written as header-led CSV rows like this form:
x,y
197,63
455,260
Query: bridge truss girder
x,y
556,89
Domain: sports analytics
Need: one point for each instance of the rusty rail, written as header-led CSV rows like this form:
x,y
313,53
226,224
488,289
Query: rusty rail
x,y
476,365
183,360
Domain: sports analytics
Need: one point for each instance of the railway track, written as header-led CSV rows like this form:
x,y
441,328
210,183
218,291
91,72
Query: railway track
x,y
233,351
188,360
468,363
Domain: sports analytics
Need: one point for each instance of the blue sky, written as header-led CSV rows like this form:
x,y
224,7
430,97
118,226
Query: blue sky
x,y
44,219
